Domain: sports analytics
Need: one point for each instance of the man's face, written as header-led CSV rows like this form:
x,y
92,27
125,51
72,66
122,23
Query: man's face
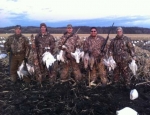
x,y
43,29
93,32
69,30
119,33
18,31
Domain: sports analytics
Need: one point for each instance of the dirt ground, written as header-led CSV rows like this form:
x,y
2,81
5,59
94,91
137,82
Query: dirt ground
x,y
67,99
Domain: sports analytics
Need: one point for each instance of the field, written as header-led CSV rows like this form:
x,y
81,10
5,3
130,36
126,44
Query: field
x,y
132,36
65,98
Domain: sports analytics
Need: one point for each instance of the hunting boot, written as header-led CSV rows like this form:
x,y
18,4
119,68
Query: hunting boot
x,y
92,77
52,77
102,73
27,80
77,74
13,78
64,71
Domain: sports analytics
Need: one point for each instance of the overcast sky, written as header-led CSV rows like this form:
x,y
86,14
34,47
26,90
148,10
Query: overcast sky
x,y
58,13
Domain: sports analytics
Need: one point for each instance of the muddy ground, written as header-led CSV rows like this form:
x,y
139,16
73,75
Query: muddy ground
x,y
67,99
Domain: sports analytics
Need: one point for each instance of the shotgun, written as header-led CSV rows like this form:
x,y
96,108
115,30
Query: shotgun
x,y
105,42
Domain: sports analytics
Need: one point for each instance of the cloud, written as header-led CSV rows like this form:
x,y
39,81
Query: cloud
x,y
54,11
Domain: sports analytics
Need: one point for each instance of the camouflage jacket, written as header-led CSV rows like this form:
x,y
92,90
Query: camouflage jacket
x,y
93,45
121,48
17,45
71,43
33,53
44,43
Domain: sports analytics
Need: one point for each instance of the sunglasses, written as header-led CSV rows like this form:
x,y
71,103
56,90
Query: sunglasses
x,y
93,31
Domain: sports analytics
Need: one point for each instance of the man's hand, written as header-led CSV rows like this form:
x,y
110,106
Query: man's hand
x,y
134,58
62,47
26,60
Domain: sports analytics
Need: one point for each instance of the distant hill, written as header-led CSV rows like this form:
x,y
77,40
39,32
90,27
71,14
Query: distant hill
x,y
83,30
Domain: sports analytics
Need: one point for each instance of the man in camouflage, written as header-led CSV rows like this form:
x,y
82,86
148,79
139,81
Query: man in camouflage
x,y
122,50
19,47
71,41
44,41
92,45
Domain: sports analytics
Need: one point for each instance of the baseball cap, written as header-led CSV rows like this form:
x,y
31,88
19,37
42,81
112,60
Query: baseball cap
x,y
69,26
119,28
18,26
43,24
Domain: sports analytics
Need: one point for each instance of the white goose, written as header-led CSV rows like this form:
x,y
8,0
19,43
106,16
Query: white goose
x,y
77,55
133,66
60,56
22,71
48,59
126,111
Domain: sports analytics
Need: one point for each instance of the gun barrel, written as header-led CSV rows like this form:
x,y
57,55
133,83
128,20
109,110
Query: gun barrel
x,y
105,42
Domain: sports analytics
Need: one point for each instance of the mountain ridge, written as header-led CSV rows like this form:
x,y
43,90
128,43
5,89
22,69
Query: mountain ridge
x,y
83,30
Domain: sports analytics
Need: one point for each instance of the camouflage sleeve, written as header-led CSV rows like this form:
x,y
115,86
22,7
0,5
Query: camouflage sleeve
x,y
36,42
7,44
60,42
86,45
111,47
27,47
131,48
102,43
78,43
52,44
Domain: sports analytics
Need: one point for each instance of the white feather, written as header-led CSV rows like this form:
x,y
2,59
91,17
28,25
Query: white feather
x,y
30,69
48,59
133,67
110,63
21,72
126,111
77,55
2,56
60,56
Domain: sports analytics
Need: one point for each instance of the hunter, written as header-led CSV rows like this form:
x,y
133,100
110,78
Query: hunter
x,y
18,47
122,50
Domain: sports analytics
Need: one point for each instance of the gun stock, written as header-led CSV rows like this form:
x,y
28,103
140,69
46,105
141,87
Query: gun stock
x,y
105,42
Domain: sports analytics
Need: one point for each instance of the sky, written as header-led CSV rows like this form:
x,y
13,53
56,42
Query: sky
x,y
59,13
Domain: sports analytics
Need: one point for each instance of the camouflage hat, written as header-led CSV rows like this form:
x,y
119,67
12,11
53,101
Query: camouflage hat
x,y
119,28
18,26
69,26
43,24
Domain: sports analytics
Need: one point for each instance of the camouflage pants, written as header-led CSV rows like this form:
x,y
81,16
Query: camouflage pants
x,y
41,71
16,61
100,69
122,69
75,68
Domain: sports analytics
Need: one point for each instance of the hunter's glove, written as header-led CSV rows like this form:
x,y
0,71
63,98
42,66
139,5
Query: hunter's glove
x,y
63,47
26,60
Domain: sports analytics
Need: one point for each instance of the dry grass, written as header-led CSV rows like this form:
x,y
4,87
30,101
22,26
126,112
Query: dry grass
x,y
143,63
132,36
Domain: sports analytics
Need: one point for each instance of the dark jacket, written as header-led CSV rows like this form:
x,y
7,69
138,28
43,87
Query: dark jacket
x,y
93,45
121,48
44,42
17,44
